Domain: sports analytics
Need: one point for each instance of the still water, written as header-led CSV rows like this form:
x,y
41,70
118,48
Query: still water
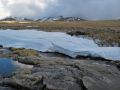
x,y
7,67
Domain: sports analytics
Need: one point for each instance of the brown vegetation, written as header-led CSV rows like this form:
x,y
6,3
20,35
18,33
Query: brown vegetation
x,y
60,25
107,31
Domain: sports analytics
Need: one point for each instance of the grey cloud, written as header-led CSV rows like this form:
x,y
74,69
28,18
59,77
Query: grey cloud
x,y
88,9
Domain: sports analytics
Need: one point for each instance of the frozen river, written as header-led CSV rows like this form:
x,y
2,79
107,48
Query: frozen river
x,y
57,42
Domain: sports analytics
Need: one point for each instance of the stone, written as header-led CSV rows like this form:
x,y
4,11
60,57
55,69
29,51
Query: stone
x,y
53,73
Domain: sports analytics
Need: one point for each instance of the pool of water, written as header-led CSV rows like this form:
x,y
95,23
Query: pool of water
x,y
57,42
7,67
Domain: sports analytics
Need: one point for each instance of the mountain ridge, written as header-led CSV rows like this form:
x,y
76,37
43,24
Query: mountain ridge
x,y
59,18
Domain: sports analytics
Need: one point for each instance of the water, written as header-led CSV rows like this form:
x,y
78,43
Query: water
x,y
57,42
7,67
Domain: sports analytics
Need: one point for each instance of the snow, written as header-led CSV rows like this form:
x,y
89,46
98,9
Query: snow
x,y
57,42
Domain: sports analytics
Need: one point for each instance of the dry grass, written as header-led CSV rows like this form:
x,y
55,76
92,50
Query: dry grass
x,y
60,25
108,31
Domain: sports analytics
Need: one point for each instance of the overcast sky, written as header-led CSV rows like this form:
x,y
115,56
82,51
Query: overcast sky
x,y
87,9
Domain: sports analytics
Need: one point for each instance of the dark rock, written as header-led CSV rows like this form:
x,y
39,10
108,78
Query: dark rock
x,y
6,88
115,63
89,57
76,33
81,84
1,46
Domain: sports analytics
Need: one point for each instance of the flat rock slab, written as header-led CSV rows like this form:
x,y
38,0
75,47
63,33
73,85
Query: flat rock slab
x,y
65,74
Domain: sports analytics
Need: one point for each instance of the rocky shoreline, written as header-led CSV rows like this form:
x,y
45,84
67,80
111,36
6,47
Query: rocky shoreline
x,y
59,73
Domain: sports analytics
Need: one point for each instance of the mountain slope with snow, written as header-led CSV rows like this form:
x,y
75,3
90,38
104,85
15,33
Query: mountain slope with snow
x,y
60,18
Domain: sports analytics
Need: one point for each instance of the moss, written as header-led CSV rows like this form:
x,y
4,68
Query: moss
x,y
24,52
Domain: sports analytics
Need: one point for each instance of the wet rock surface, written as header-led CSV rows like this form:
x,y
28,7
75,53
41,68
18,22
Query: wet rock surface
x,y
59,73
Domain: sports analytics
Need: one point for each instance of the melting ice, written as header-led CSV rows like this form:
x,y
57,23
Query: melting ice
x,y
57,42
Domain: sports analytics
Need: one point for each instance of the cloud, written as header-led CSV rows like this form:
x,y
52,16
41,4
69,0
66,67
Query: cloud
x,y
88,9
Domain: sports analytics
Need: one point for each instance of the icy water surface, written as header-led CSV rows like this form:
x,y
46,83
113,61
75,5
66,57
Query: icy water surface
x,y
57,42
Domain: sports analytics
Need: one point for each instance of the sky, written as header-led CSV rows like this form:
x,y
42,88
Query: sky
x,y
86,9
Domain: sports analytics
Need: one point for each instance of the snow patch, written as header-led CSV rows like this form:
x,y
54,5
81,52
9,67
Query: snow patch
x,y
57,42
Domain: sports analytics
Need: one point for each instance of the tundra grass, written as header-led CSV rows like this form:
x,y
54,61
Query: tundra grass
x,y
108,31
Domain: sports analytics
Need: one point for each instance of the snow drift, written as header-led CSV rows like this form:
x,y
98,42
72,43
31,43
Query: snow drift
x,y
57,42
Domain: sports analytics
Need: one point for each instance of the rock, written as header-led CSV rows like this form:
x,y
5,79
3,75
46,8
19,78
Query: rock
x,y
115,63
76,33
28,60
66,74
1,46
25,82
4,51
53,73
6,88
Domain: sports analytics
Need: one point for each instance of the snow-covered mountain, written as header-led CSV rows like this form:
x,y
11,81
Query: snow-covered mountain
x,y
60,18
16,19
